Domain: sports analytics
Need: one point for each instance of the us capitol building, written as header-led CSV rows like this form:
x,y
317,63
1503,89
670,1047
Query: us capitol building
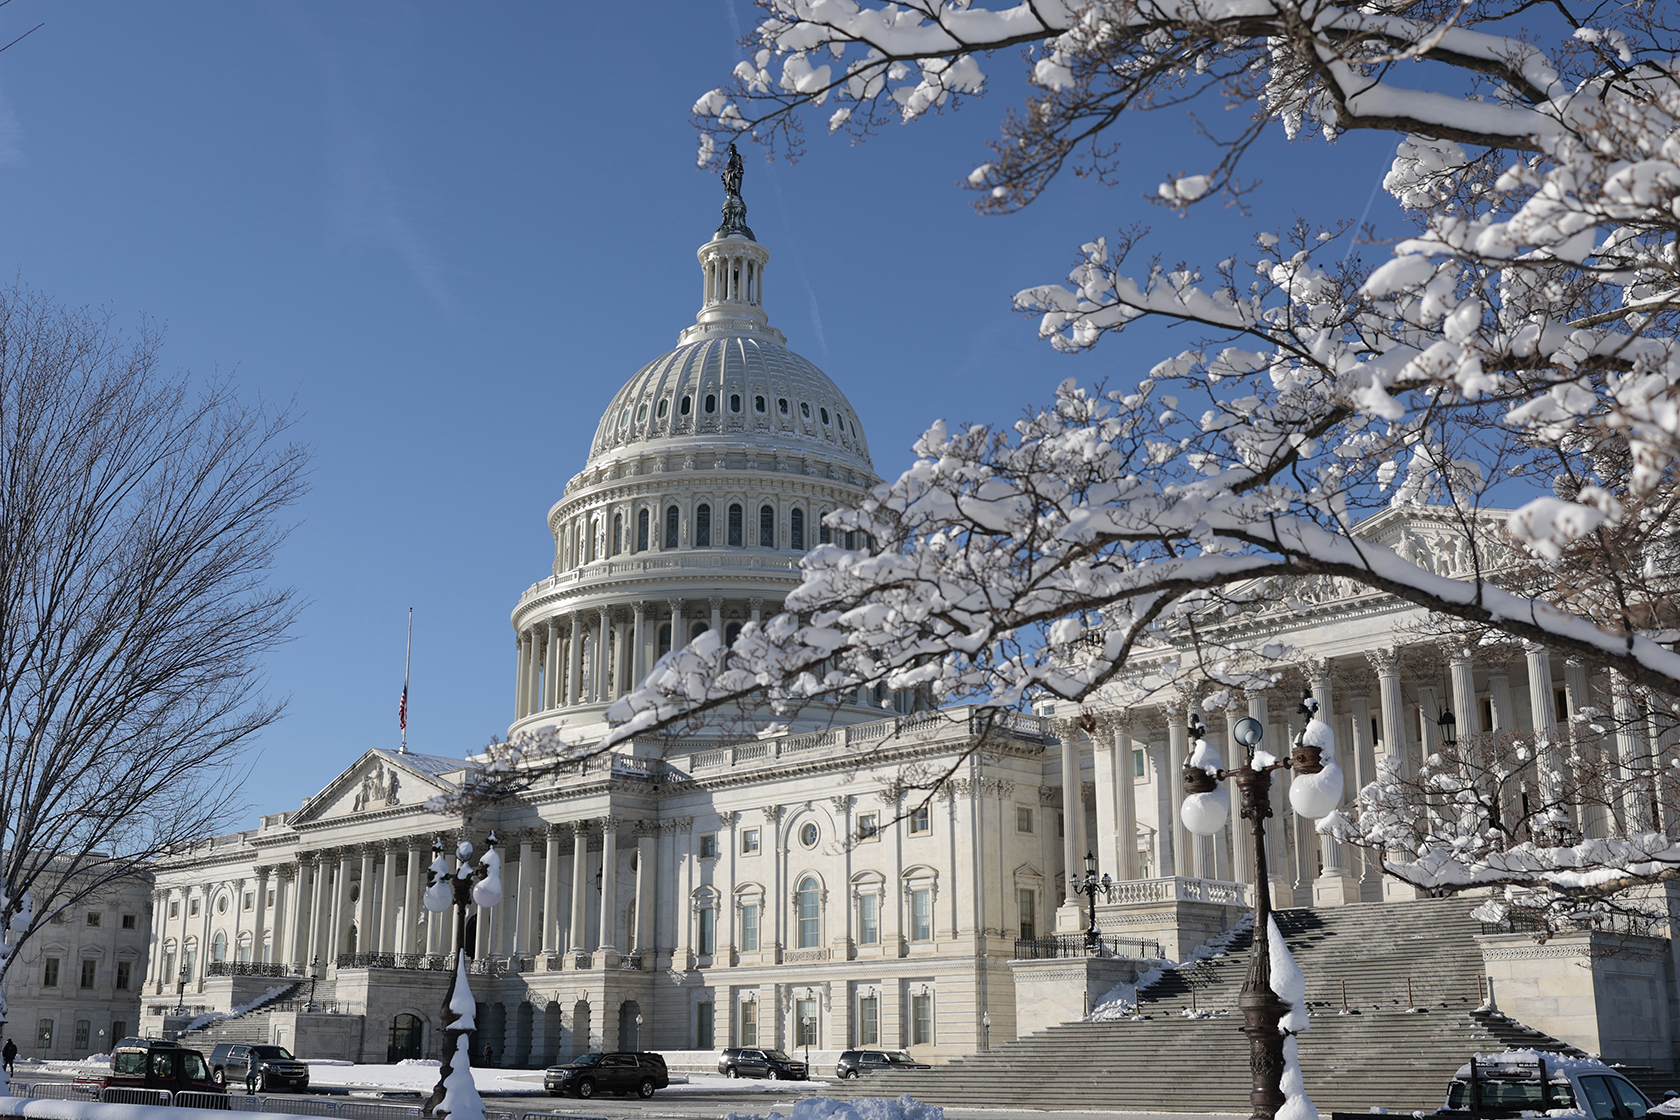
x,y
794,887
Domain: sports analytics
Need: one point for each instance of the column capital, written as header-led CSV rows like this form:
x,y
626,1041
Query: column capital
x,y
727,818
755,604
772,812
676,605
841,802
1384,661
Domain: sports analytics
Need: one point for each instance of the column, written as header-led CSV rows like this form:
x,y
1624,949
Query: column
x,y
319,909
1104,753
1125,817
525,933
757,608
412,935
638,646
341,908
1595,814
1276,742
545,939
1394,755
1466,711
1165,810
1543,710
276,920
1429,713
1499,698
1633,766
521,650
602,629
367,926
609,883
580,883
1178,746
552,686
1335,885
678,638
647,856
1073,835
388,901
574,668
716,603
1359,769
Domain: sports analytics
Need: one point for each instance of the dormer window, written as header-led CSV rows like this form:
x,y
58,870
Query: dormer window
x,y
758,405
711,403
783,405
687,406
735,402
804,410
823,412
641,412
665,406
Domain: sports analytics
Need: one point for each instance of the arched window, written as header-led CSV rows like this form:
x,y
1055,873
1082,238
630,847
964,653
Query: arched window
x,y
642,531
711,403
618,534
218,947
406,1039
735,518
808,932
664,638
697,629
734,402
671,522
687,406
766,527
593,537
731,632
804,410
586,654
839,421
823,412
758,405
665,406
796,523
703,527
824,535
782,405
242,953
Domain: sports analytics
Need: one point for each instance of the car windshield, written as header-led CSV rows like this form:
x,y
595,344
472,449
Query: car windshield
x,y
279,1052
130,1063
777,1056
1519,1095
898,1059
193,1065
587,1060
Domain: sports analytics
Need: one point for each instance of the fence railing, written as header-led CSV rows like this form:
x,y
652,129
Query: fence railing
x,y
1628,925
422,962
236,1102
1075,945
251,968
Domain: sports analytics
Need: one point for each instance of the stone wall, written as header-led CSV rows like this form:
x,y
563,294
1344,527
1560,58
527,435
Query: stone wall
x,y
1048,992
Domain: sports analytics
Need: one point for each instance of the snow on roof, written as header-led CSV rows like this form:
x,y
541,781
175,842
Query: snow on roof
x,y
1556,1063
434,765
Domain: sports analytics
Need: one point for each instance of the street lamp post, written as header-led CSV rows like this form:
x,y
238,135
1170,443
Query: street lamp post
x,y
314,974
808,1024
986,1026
181,990
1091,887
1262,1009
457,887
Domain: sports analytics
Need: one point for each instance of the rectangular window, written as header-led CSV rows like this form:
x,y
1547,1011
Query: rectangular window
x,y
269,901
766,527
869,1021
805,1011
708,845
1560,704
703,1024
707,930
249,902
869,919
749,841
192,908
129,922
921,915
734,526
1143,863
749,1023
49,976
1023,819
921,1020
1026,898
168,973
869,826
93,919
749,928
1140,765
89,970
125,972
921,820
1061,825
174,908
1487,715
84,1033
43,1034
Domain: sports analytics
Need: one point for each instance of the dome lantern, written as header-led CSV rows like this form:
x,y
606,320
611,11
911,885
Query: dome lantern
x,y
732,266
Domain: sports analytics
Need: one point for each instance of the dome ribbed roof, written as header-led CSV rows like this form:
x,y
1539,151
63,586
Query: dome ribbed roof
x,y
750,379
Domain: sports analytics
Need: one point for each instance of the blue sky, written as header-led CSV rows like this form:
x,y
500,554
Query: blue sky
x,y
450,233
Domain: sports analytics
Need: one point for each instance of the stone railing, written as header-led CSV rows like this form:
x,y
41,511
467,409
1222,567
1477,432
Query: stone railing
x,y
1142,892
1075,945
251,968
421,962
682,561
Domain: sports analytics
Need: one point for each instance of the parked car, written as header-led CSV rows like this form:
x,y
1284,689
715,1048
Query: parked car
x,y
745,1061
854,1062
619,1071
1527,1081
276,1068
153,1064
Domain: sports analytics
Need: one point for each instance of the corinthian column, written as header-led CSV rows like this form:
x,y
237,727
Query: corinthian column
x,y
1394,756
609,883
580,883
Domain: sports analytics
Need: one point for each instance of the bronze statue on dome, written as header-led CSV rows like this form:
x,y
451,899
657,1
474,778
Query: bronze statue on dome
x,y
732,172
734,210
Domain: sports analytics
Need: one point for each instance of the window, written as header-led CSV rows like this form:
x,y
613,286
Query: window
x,y
824,534
808,834
823,412
921,821
1025,899
735,519
1140,765
921,915
89,970
618,534
731,632
703,527
749,841
174,908
269,901
781,406
671,521
49,974
749,1023
93,919
192,908
749,928
1023,819
869,919
249,902
659,412
697,629
869,826
796,523
125,970
704,1022
641,412
804,410
43,1034
808,915
218,946
869,1021
921,1020
84,1033
766,527
758,405
129,922
642,531
1061,825
805,1019
664,638
168,973
711,403
687,406
189,961
1560,704
1487,715
734,402
708,845
707,933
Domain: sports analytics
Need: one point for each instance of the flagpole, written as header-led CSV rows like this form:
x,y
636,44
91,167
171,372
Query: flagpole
x,y
408,660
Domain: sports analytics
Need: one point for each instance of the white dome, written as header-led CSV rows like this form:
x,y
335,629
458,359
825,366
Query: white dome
x,y
739,385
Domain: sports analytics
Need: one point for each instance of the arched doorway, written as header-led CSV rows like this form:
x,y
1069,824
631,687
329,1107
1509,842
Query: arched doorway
x,y
582,1025
629,1031
470,941
552,1035
350,939
407,1038
519,1053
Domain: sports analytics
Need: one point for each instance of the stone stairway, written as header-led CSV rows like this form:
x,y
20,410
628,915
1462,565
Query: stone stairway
x,y
251,1028
1378,1054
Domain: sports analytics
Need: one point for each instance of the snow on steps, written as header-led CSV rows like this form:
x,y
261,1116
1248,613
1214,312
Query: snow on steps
x,y
247,1024
1381,1054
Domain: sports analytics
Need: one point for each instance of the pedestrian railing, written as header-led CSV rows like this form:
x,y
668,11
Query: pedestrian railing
x,y
200,1100
236,1102
1076,945
50,1091
136,1096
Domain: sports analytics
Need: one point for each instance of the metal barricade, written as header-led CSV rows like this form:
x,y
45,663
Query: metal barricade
x,y
203,1100
240,1102
561,1116
134,1096
51,1091
360,1110
300,1106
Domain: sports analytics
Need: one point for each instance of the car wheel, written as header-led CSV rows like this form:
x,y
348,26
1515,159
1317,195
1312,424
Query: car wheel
x,y
850,1074
774,1075
732,1073
645,1089
586,1088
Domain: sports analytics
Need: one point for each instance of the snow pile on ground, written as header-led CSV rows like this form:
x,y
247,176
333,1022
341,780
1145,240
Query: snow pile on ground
x,y
864,1108
415,1076
201,1021
1120,1001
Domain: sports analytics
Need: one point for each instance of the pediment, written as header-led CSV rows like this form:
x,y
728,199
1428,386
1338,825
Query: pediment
x,y
378,781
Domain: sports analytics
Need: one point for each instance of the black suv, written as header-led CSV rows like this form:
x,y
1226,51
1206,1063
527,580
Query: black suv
x,y
854,1062
276,1068
621,1071
746,1061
